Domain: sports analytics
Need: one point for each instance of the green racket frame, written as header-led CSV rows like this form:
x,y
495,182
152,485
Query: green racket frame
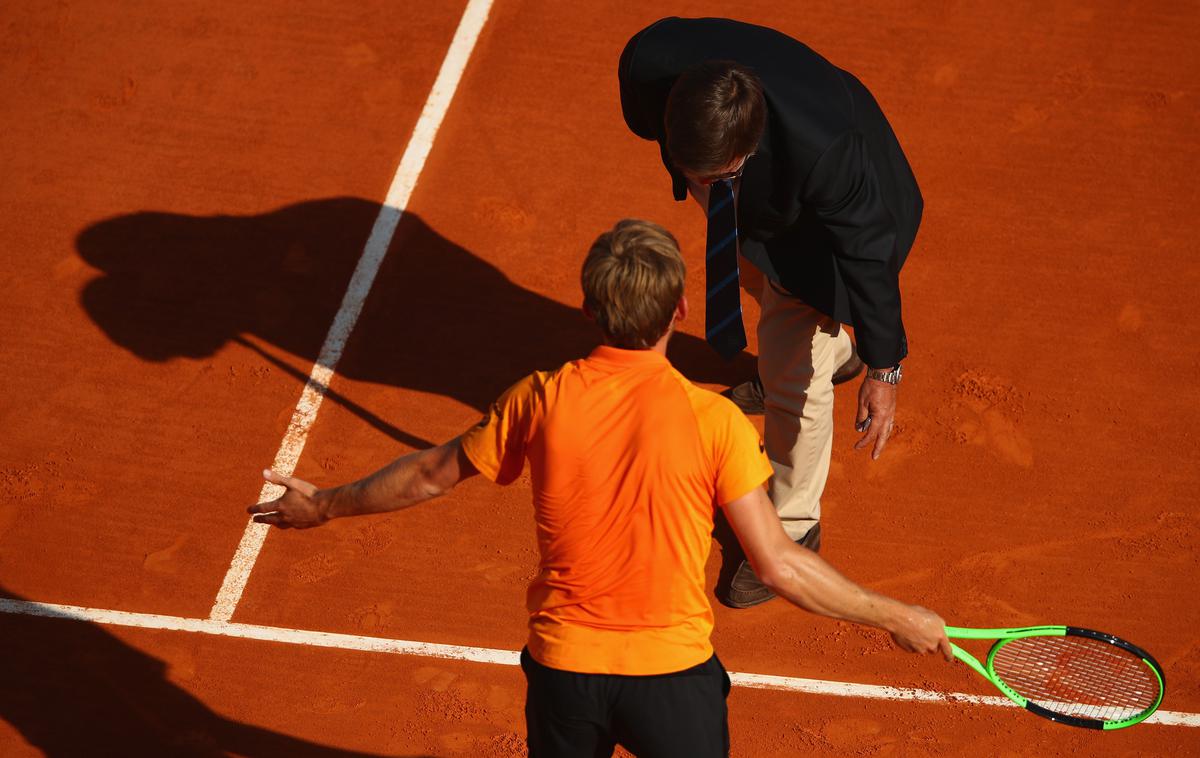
x,y
1003,636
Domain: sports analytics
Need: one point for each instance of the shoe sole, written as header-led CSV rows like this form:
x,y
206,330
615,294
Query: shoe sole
x,y
740,604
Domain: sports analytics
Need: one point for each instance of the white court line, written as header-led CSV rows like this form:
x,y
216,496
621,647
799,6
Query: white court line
x,y
490,655
373,253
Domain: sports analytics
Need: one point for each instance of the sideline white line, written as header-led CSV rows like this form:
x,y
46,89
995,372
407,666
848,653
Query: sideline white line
x,y
401,189
490,655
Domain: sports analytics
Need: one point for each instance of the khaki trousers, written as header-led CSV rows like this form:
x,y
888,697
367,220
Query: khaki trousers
x,y
799,348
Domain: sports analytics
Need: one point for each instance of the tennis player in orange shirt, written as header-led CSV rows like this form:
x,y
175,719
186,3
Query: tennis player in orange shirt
x,y
629,462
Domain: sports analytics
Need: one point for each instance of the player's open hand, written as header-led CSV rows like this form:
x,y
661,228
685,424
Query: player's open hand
x,y
300,506
876,415
920,630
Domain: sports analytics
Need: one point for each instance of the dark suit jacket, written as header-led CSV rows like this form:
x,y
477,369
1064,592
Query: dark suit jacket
x,y
828,206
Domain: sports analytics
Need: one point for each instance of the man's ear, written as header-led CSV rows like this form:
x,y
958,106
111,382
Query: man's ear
x,y
681,309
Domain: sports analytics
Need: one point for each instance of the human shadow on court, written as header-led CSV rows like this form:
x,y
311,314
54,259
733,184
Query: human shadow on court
x,y
71,688
439,318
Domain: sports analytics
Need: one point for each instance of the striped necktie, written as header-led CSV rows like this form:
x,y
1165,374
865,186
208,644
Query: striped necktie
x,y
723,326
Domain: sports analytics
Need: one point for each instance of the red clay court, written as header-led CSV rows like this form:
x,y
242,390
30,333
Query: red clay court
x,y
198,198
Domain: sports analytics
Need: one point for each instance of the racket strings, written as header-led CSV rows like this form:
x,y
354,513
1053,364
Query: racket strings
x,y
1078,676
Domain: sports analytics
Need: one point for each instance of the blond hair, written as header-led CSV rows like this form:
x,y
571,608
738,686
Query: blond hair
x,y
632,282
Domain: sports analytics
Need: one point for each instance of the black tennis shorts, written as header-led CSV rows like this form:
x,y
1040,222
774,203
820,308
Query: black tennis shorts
x,y
572,715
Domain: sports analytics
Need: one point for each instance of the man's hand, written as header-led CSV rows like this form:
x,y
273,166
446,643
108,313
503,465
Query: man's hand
x,y
876,414
300,507
920,630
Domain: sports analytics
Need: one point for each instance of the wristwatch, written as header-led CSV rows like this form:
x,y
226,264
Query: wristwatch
x,y
889,375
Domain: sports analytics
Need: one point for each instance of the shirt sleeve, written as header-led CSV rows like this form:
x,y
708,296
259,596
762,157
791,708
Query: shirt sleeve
x,y
846,196
497,444
644,103
741,458
638,104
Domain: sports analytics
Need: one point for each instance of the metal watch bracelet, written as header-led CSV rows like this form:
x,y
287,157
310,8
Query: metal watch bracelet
x,y
889,375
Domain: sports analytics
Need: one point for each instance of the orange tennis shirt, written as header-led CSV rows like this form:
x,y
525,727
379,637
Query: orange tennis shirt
x,y
628,461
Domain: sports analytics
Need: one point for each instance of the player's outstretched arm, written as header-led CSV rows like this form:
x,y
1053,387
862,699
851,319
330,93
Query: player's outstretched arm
x,y
807,580
404,482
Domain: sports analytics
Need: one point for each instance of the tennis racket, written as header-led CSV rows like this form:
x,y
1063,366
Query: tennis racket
x,y
1069,675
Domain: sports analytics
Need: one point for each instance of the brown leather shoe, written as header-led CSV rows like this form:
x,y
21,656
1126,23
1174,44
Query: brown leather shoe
x,y
749,397
746,591
850,369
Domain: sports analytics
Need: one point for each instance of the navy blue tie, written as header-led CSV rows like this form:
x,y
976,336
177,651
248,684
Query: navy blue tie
x,y
723,326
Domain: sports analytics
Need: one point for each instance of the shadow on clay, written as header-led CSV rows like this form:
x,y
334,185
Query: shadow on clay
x,y
71,688
439,319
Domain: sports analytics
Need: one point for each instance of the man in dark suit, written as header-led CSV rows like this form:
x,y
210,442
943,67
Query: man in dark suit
x,y
794,162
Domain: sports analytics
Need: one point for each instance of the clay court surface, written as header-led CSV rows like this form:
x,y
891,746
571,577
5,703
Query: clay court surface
x,y
189,186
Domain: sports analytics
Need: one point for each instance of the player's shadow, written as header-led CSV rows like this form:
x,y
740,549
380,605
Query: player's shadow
x,y
439,318
71,688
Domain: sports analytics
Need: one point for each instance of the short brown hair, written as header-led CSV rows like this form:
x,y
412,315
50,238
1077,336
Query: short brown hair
x,y
716,113
632,281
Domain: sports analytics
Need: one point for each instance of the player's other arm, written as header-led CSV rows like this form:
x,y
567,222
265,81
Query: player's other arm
x,y
405,482
807,580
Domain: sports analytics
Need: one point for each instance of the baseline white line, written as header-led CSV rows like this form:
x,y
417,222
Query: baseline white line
x,y
398,195
491,655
